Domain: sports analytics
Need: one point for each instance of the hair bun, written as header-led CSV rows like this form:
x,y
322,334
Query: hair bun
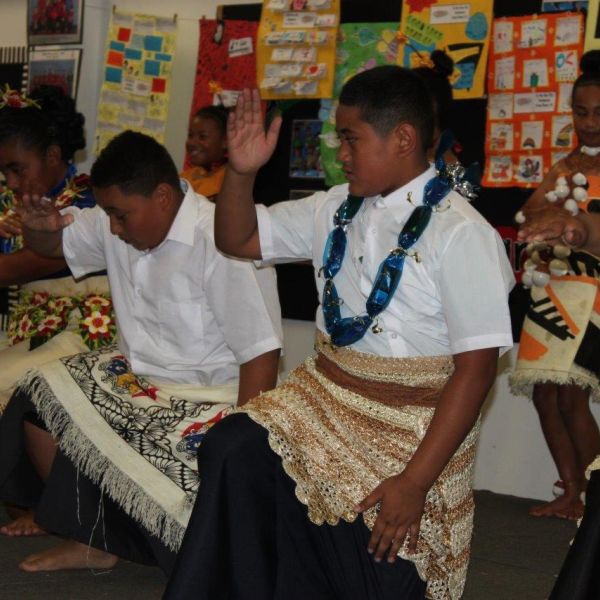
x,y
590,63
442,63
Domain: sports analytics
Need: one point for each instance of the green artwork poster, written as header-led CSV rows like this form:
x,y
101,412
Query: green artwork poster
x,y
361,46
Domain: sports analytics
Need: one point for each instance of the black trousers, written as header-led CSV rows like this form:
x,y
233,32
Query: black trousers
x,y
579,577
69,504
250,538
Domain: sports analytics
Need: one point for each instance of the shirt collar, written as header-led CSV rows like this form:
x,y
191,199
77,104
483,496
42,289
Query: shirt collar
x,y
397,200
183,228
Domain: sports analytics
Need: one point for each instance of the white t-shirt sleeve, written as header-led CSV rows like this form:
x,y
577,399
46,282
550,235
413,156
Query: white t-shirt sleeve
x,y
245,305
286,229
83,241
475,280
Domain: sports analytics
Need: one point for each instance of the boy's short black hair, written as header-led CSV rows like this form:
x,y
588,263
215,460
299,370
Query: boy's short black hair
x,y
389,95
135,163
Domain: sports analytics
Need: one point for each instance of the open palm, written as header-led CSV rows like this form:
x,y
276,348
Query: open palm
x,y
248,145
39,214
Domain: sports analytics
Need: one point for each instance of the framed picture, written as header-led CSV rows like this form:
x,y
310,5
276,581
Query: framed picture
x,y
54,22
305,154
55,67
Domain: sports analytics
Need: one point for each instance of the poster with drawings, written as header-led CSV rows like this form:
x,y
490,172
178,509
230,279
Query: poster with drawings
x,y
529,83
137,68
461,29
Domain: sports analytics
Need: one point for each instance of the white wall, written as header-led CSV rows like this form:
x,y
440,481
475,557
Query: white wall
x,y
512,456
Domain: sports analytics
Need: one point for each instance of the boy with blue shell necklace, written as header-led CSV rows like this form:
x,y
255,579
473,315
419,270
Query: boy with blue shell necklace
x,y
352,479
117,430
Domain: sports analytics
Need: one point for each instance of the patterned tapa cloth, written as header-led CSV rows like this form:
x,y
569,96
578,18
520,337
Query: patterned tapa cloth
x,y
338,444
561,333
135,437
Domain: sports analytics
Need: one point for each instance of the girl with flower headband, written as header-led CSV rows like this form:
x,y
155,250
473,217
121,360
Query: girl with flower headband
x,y
38,139
557,364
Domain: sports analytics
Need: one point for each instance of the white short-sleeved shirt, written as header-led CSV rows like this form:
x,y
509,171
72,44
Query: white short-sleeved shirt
x,y
454,300
185,313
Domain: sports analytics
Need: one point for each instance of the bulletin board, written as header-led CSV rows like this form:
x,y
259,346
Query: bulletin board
x,y
534,61
136,84
296,48
461,29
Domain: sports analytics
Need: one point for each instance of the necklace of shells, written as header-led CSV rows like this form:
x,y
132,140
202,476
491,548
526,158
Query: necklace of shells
x,y
545,260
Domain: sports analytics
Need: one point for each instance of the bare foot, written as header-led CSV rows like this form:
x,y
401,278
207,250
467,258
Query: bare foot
x,y
69,555
564,507
23,526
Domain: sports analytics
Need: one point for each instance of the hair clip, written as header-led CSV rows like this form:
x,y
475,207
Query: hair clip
x,y
14,99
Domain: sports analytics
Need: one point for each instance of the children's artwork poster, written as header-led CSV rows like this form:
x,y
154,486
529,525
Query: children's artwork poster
x,y
226,62
305,155
361,46
296,48
54,67
533,63
136,85
461,29
14,67
54,22
592,27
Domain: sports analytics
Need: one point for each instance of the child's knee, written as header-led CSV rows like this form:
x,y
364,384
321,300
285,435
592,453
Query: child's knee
x,y
233,437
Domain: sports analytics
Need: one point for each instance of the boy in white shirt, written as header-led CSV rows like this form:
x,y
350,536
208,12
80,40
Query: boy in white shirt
x,y
376,434
197,334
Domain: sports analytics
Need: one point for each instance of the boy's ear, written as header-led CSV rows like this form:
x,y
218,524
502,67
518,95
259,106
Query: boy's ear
x,y
407,138
165,195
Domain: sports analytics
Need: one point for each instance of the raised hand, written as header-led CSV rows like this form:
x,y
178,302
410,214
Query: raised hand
x,y
38,213
10,225
249,146
402,503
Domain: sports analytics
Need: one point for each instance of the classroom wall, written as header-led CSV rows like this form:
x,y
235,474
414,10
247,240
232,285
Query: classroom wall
x,y
512,456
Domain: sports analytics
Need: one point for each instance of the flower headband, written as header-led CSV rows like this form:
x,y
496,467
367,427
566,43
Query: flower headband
x,y
14,99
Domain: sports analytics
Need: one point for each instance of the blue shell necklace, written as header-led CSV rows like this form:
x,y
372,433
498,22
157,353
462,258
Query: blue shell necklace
x,y
348,330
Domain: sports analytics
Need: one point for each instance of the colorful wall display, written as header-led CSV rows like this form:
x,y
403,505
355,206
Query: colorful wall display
x,y
534,61
296,48
592,27
137,76
361,46
226,62
460,29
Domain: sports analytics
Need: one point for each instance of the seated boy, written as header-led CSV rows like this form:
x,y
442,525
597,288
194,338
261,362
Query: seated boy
x,y
366,452
197,334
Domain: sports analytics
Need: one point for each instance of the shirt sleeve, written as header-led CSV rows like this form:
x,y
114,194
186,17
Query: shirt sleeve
x,y
83,241
245,304
286,229
475,280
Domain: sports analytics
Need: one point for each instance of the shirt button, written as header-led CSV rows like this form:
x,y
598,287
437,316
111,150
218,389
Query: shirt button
x,y
394,336
373,230
138,291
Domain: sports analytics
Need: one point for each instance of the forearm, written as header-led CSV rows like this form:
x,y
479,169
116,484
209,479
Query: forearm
x,y
258,375
45,243
236,227
25,265
456,412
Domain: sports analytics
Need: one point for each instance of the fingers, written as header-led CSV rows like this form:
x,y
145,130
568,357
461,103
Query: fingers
x,y
371,500
273,132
